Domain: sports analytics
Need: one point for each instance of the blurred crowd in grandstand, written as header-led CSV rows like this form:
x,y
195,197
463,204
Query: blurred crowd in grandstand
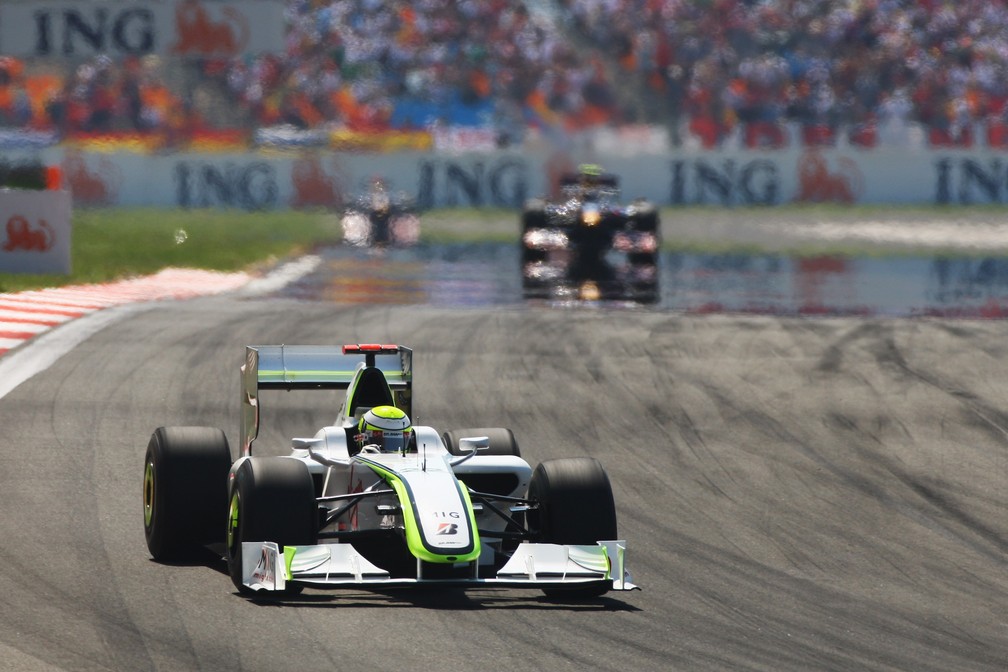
x,y
712,71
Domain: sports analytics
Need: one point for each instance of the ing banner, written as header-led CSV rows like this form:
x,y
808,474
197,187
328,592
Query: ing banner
x,y
80,29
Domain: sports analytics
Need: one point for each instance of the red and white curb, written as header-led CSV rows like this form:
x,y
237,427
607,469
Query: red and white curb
x,y
24,315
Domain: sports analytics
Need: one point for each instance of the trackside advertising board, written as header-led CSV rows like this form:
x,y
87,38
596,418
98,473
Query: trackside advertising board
x,y
299,179
34,231
504,179
78,29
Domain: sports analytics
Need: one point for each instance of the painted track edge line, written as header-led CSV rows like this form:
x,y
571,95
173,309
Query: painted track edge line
x,y
41,352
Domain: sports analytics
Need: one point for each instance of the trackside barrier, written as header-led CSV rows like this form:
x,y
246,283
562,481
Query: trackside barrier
x,y
327,179
35,231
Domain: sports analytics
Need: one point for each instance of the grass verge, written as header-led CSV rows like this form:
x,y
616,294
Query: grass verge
x,y
112,244
116,243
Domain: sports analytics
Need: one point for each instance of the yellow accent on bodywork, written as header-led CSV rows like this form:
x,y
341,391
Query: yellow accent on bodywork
x,y
414,540
289,553
472,521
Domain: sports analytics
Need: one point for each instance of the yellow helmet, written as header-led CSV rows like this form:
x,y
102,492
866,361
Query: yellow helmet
x,y
386,427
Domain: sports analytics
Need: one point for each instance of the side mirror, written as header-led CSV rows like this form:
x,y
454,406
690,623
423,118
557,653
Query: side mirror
x,y
306,444
469,445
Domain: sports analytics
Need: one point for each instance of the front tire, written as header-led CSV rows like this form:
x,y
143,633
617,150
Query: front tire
x,y
184,490
270,499
646,217
575,506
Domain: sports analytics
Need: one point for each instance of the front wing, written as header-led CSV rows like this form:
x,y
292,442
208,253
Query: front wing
x,y
266,567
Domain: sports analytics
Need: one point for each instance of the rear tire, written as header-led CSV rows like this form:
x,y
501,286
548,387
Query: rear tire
x,y
646,217
575,506
184,490
270,499
533,217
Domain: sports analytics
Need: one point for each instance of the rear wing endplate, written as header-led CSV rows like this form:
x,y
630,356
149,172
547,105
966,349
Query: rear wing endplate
x,y
317,367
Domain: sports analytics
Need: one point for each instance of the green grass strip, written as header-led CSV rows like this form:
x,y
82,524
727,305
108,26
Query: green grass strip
x,y
117,243
113,244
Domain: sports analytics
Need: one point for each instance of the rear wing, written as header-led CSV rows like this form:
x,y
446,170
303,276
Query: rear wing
x,y
608,180
318,367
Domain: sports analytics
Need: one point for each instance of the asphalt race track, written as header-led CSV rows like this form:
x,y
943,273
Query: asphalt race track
x,y
797,494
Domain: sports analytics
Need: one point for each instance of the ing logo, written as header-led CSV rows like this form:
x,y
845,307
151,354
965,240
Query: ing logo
x,y
199,34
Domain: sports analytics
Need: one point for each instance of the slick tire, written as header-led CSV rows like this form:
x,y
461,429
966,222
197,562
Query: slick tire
x,y
575,506
646,217
533,217
643,259
502,440
534,211
269,499
184,490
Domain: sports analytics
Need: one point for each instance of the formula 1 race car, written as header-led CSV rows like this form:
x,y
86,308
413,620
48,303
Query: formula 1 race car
x,y
380,218
388,505
589,245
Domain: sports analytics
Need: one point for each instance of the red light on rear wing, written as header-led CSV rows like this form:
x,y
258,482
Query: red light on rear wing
x,y
370,348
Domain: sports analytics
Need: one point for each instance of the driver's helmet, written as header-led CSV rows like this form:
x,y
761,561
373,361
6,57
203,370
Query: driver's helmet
x,y
379,194
385,427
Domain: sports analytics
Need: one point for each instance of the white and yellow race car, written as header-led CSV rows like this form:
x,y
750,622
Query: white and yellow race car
x,y
460,508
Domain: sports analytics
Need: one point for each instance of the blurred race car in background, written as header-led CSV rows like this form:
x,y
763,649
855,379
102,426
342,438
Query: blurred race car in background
x,y
588,245
380,217
371,501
